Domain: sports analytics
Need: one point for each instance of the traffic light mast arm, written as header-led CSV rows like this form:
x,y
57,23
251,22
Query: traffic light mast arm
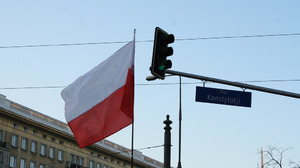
x,y
237,84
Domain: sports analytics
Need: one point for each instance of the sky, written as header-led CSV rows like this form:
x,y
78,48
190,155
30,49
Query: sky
x,y
212,135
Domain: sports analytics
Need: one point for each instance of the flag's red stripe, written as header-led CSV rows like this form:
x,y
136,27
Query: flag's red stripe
x,y
107,117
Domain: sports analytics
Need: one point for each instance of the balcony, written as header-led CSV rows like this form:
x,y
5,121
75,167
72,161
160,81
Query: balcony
x,y
73,165
4,145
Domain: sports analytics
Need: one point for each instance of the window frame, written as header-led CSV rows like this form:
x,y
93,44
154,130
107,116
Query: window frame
x,y
52,152
33,149
14,140
92,164
44,151
24,143
32,164
1,135
12,161
23,163
99,165
60,155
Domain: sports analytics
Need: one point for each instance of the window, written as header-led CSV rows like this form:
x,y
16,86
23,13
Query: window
x,y
14,140
25,129
22,163
99,165
15,125
105,166
34,132
77,159
60,155
32,165
13,162
44,136
61,142
72,158
24,144
81,161
43,150
52,139
52,153
42,166
1,135
33,148
92,164
1,157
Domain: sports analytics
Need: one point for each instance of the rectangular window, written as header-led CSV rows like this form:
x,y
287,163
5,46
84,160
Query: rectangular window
x,y
76,159
105,166
14,140
72,158
99,165
92,164
60,155
43,150
32,165
42,166
81,161
1,135
1,157
25,129
13,162
51,153
15,125
22,163
33,148
34,132
24,144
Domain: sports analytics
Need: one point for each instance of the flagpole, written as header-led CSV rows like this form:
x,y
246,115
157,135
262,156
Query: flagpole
x,y
132,126
132,131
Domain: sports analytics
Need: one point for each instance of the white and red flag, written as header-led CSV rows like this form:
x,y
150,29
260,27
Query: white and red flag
x,y
100,103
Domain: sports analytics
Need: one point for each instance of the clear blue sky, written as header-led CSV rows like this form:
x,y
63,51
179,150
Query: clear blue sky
x,y
213,135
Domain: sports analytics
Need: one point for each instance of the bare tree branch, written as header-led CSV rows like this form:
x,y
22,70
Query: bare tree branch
x,y
274,157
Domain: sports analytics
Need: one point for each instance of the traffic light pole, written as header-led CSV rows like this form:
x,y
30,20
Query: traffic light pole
x,y
237,84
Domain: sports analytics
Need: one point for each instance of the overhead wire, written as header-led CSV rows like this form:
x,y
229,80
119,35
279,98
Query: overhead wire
x,y
145,41
118,42
151,84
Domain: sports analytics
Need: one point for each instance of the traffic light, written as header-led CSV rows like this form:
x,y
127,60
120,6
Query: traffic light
x,y
160,53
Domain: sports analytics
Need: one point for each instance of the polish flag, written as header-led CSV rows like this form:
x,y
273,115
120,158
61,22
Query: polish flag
x,y
100,103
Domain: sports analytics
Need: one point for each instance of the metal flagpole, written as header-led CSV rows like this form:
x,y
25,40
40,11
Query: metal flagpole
x,y
132,132
132,126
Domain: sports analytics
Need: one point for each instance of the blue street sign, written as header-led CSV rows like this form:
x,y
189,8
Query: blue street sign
x,y
222,96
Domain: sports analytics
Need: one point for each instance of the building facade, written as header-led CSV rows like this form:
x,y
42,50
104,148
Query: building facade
x,y
29,139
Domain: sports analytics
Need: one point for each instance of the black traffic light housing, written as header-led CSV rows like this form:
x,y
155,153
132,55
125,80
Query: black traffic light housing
x,y
160,53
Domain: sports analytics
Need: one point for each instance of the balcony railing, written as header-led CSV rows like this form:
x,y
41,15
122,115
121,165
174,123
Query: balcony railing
x,y
4,144
73,165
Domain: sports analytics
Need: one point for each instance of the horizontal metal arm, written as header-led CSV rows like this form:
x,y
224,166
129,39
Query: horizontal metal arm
x,y
237,84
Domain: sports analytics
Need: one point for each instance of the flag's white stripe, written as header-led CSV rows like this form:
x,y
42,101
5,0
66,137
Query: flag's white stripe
x,y
99,83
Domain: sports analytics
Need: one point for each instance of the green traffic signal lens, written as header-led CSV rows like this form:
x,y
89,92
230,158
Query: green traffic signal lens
x,y
162,67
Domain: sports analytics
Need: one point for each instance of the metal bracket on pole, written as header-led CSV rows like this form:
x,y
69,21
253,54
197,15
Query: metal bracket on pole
x,y
237,84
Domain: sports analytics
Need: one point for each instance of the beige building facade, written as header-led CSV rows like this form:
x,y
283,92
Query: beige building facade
x,y
29,139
